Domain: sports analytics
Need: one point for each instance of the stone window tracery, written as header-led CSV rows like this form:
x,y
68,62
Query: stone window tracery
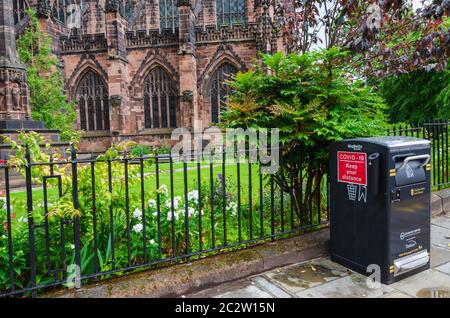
x,y
93,102
220,89
160,100
168,14
230,12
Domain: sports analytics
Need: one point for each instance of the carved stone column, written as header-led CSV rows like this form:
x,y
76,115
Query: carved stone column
x,y
117,69
187,65
265,41
14,96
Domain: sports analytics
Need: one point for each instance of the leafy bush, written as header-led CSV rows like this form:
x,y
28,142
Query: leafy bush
x,y
417,96
163,150
140,150
313,100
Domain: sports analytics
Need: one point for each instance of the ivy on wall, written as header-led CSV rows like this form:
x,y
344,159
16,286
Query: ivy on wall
x,y
48,101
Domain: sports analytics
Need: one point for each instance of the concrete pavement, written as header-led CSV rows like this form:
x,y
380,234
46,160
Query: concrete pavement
x,y
321,277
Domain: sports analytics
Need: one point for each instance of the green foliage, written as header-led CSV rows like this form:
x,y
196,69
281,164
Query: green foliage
x,y
313,100
443,98
140,150
163,149
203,206
417,96
47,99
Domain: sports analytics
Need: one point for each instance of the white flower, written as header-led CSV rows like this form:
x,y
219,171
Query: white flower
x,y
152,204
191,211
72,246
137,228
162,189
169,216
193,195
137,214
232,208
3,205
176,201
155,213
4,236
152,241
22,219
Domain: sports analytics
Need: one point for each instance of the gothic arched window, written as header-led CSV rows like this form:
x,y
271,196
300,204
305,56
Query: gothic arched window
x,y
168,14
160,100
220,89
230,11
93,103
19,10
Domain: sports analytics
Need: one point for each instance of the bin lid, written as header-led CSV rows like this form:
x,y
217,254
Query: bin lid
x,y
392,141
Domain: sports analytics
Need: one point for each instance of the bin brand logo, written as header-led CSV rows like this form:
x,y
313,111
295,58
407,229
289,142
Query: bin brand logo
x,y
355,147
410,238
410,234
352,167
417,191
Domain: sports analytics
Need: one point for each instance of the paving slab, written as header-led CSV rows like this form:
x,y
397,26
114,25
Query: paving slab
x,y
440,236
298,277
270,287
225,289
428,284
439,255
436,205
397,294
445,196
353,286
445,268
442,221
251,291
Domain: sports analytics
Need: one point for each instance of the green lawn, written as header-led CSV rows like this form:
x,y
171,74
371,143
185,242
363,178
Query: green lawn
x,y
178,181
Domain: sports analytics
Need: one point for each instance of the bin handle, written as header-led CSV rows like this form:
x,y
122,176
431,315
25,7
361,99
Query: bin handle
x,y
425,158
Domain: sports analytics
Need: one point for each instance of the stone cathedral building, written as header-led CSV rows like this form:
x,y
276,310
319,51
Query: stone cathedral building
x,y
137,69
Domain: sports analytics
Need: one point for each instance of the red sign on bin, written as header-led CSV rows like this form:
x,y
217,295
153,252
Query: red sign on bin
x,y
352,167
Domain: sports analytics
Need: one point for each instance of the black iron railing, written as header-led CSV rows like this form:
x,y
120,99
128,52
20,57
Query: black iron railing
x,y
437,131
79,220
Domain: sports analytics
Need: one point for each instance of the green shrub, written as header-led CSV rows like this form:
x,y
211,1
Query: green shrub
x,y
313,100
140,150
418,96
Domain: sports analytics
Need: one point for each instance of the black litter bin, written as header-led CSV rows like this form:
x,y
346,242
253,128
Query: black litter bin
x,y
380,205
